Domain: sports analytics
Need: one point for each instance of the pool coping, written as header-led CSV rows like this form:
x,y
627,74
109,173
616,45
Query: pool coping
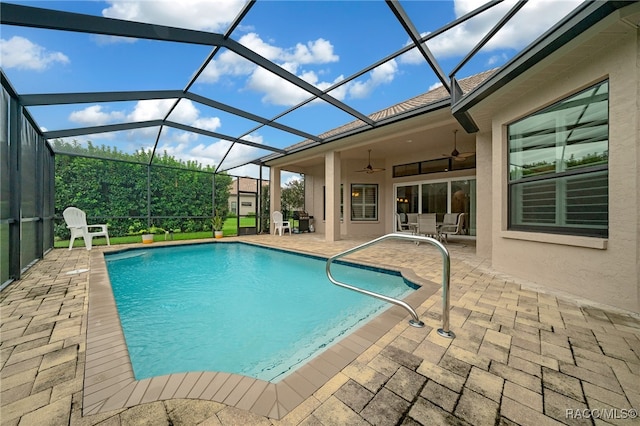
x,y
109,382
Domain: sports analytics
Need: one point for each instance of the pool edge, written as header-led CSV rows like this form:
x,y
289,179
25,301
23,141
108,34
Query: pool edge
x,y
109,383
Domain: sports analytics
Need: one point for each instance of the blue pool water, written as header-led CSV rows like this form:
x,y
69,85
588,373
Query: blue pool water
x,y
236,308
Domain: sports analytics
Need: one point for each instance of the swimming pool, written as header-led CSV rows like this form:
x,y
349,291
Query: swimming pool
x,y
236,307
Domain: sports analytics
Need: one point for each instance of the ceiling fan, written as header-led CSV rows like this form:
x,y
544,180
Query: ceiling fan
x,y
369,169
455,154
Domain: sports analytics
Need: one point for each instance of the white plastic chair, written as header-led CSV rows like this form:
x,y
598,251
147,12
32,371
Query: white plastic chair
x,y
278,224
77,223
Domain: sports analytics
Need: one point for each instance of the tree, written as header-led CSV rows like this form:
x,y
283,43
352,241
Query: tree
x,y
293,196
180,192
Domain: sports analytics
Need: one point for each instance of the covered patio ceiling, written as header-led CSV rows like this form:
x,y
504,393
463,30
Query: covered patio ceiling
x,y
259,125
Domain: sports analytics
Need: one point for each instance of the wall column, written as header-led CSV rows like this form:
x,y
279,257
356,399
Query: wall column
x,y
275,194
484,190
332,179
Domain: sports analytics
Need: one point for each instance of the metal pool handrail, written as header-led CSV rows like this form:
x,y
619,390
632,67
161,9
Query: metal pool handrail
x,y
446,276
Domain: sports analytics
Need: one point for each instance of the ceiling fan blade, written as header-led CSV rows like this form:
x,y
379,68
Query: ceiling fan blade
x,y
370,169
459,158
466,154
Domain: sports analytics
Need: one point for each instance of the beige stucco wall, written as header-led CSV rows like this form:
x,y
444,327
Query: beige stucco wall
x,y
602,270
484,185
314,192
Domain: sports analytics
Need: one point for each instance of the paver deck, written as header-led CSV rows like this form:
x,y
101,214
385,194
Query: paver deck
x,y
522,355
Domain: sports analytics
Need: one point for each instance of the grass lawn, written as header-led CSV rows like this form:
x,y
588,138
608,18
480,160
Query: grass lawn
x,y
230,228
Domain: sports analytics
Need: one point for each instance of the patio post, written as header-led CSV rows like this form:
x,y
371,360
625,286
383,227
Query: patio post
x,y
275,193
332,175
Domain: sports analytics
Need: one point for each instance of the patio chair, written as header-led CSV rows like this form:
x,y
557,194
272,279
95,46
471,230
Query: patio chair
x,y
279,225
427,225
456,228
450,219
76,221
412,220
402,228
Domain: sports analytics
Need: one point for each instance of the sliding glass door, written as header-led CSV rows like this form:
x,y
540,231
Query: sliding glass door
x,y
435,199
440,197
463,200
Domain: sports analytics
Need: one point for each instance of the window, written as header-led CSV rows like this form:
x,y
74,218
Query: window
x,y
438,165
406,170
558,167
435,166
364,202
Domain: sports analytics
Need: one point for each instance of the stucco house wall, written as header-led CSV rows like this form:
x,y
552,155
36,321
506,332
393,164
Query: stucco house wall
x,y
600,269
314,199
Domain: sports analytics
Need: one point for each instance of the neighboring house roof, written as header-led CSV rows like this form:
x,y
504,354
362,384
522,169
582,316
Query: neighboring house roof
x,y
246,185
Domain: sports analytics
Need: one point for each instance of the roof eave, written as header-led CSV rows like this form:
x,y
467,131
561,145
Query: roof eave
x,y
434,106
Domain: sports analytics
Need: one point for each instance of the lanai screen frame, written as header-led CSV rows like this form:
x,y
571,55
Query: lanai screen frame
x,y
27,16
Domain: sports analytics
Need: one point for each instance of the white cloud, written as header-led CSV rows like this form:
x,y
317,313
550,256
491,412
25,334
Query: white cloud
x,y
314,52
178,143
383,74
276,91
287,178
95,115
531,21
497,59
207,15
434,86
241,153
293,59
253,42
150,109
147,110
250,170
227,63
207,123
298,59
19,52
212,153
318,51
413,56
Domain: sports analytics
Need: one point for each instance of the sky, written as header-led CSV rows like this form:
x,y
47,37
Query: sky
x,y
321,42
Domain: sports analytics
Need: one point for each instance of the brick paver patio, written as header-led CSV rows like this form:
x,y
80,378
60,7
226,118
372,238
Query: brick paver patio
x,y
522,355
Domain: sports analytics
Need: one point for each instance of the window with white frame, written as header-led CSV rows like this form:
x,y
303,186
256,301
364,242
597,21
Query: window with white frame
x,y
558,166
364,202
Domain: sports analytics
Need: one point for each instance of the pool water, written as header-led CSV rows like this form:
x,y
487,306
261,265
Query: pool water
x,y
237,308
